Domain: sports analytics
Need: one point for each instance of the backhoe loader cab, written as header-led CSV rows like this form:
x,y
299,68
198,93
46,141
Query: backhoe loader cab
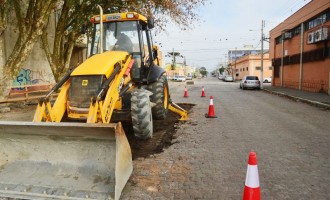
x,y
129,32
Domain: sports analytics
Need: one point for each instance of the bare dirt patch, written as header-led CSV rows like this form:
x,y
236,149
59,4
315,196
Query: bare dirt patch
x,y
18,112
164,133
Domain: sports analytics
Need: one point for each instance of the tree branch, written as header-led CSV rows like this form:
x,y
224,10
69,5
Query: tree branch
x,y
30,12
18,13
45,45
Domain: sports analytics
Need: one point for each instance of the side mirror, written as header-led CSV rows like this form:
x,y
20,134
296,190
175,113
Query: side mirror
x,y
151,23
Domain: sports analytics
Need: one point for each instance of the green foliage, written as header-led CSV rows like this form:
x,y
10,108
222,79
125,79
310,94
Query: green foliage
x,y
221,70
32,17
203,71
172,67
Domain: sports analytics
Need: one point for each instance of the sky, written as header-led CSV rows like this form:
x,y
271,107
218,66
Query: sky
x,y
225,25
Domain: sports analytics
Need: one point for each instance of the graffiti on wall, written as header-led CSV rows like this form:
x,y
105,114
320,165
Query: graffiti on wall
x,y
23,78
30,77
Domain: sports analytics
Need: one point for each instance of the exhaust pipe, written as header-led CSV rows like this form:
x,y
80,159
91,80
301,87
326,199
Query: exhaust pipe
x,y
101,28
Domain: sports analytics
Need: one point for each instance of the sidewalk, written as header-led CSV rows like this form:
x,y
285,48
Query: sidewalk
x,y
316,99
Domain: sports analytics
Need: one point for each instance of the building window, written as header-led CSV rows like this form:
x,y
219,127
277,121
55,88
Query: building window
x,y
243,70
270,68
321,19
247,69
278,39
296,31
258,68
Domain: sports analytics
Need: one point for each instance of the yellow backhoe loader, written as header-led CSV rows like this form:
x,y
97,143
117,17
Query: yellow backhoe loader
x,y
76,148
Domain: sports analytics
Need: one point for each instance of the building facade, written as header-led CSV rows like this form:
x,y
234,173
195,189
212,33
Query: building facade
x,y
251,65
238,53
300,49
180,69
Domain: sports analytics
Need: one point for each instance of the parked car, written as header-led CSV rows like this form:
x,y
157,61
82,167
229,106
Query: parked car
x,y
220,77
250,82
188,77
180,78
267,80
229,78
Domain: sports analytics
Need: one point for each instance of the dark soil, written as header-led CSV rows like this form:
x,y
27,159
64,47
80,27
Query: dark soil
x,y
164,133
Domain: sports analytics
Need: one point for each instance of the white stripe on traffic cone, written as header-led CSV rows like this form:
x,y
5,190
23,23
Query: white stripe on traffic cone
x,y
252,185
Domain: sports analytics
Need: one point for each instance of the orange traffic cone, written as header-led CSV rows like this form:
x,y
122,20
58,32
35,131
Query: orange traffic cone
x,y
252,186
203,92
211,113
185,92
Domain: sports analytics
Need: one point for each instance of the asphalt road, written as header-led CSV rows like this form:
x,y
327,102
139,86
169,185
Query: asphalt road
x,y
208,159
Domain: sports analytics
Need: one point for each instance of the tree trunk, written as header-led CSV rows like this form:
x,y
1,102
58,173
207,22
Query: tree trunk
x,y
60,56
30,28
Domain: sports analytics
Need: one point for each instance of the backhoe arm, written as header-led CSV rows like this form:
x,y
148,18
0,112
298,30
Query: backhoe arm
x,y
178,110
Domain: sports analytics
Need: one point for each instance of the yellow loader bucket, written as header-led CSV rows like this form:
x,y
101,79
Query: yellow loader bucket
x,y
63,160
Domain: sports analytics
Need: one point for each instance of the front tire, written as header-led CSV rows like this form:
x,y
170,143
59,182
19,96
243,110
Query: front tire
x,y
160,96
141,114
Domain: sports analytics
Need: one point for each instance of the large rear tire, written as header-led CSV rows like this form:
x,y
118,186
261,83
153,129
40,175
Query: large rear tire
x,y
160,97
141,114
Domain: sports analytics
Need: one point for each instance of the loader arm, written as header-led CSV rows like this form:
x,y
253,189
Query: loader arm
x,y
47,113
100,110
178,110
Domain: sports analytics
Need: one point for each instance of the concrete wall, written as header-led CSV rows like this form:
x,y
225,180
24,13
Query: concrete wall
x,y
2,55
36,70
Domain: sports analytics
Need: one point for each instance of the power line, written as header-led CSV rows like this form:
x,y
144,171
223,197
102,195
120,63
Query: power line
x,y
289,9
288,24
285,14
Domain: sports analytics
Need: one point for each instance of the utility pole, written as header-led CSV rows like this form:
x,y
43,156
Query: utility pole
x,y
173,60
234,73
262,55
173,64
173,55
282,60
185,66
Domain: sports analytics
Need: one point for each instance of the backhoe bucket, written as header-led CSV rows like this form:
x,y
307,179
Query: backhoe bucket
x,y
63,160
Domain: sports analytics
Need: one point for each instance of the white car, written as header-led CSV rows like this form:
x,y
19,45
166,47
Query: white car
x,y
229,78
250,82
267,80
180,78
188,77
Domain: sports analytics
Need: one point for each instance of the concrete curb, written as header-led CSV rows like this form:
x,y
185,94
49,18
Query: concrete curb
x,y
310,102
